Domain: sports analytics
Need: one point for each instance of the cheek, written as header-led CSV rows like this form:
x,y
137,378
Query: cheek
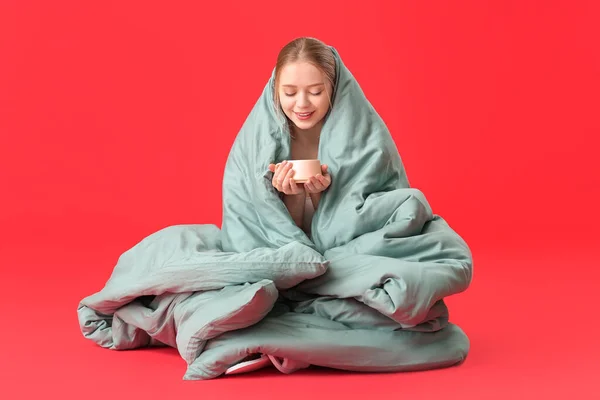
x,y
323,104
286,103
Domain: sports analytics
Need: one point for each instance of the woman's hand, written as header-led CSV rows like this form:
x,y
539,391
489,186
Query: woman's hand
x,y
282,179
319,183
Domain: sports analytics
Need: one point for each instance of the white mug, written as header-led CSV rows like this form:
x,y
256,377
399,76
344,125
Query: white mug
x,y
304,169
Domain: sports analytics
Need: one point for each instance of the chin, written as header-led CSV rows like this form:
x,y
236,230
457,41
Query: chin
x,y
304,125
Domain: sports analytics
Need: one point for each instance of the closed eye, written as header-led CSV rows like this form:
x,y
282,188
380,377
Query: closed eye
x,y
293,94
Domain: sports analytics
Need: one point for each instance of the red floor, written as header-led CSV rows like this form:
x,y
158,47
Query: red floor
x,y
532,335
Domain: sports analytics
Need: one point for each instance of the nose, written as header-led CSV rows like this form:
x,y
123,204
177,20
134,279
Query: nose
x,y
302,101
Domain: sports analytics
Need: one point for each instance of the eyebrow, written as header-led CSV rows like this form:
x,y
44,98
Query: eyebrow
x,y
314,84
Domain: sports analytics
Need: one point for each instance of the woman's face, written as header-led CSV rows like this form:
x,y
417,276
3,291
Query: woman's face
x,y
303,94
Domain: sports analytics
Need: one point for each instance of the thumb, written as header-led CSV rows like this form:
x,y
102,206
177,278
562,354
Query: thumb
x,y
324,168
272,167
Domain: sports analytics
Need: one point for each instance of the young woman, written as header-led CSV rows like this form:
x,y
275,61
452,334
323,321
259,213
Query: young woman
x,y
362,291
304,83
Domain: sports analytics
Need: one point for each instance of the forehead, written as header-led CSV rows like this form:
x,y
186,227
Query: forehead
x,y
300,74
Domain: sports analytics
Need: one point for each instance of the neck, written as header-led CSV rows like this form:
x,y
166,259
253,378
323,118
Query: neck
x,y
307,136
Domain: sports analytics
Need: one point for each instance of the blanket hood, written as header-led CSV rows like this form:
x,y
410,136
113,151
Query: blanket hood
x,y
363,161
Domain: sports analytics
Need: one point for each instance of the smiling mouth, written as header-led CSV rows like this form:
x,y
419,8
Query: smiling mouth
x,y
304,115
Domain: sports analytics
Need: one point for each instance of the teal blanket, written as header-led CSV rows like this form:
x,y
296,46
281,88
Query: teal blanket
x,y
364,293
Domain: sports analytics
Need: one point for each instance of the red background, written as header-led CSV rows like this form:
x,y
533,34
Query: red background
x,y
116,119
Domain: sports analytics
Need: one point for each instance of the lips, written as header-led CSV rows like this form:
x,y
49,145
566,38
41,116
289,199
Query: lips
x,y
304,115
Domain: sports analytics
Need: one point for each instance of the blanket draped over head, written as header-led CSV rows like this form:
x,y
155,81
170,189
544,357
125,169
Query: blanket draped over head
x,y
364,293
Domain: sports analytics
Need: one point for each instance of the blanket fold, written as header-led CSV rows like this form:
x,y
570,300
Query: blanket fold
x,y
364,293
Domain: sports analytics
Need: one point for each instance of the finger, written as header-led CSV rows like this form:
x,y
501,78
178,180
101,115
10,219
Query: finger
x,y
316,184
310,187
284,168
282,173
286,182
287,172
323,180
324,168
280,165
277,181
272,167
294,186
276,185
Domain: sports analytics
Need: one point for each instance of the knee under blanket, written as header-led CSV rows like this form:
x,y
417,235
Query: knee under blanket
x,y
364,293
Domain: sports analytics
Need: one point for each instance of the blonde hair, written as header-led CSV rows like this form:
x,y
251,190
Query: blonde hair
x,y
306,49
